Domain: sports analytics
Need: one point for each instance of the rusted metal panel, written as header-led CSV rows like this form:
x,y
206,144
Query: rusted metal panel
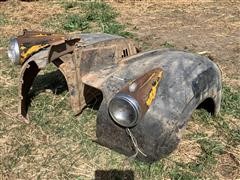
x,y
168,85
75,87
144,89
61,48
73,58
28,73
33,41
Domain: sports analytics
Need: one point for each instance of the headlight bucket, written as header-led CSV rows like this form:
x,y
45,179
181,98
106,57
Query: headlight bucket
x,y
131,103
124,110
14,51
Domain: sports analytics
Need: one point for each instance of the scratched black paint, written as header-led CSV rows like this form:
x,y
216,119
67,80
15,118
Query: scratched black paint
x,y
202,82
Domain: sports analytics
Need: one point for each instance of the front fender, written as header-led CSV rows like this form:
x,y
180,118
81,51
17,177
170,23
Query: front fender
x,y
74,55
188,80
61,55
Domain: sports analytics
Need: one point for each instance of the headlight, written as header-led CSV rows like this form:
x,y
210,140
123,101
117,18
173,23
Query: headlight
x,y
14,51
124,110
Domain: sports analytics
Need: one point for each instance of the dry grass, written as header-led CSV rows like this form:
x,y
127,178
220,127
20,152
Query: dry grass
x,y
58,145
25,15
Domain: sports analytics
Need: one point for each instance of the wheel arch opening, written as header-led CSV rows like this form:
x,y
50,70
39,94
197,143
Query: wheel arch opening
x,y
209,105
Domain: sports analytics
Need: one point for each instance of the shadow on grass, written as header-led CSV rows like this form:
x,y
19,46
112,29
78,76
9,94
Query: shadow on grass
x,y
53,81
56,83
114,174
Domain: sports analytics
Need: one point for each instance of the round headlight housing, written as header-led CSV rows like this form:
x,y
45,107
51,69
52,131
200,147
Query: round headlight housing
x,y
124,110
14,51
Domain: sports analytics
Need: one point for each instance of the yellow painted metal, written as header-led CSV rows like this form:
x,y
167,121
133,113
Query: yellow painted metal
x,y
41,35
30,51
153,91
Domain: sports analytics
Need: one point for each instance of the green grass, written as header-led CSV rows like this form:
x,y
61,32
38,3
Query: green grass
x,y
87,17
230,106
3,22
4,42
231,102
167,44
75,22
210,148
3,19
178,174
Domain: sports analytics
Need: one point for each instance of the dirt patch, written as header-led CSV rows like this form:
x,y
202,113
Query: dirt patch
x,y
187,151
197,26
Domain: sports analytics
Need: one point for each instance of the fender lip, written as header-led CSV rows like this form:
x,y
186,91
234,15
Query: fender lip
x,y
27,75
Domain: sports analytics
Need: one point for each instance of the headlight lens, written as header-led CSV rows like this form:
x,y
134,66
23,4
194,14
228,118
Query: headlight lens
x,y
124,110
14,51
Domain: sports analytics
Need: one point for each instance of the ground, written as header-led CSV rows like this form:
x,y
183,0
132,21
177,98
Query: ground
x,y
58,145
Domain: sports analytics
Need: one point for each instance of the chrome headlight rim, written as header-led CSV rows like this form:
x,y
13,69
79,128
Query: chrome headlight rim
x,y
132,102
14,51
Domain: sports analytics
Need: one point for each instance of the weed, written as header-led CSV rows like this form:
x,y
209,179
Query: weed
x,y
167,44
143,169
231,102
178,174
76,22
210,148
158,169
203,116
100,12
9,162
3,42
229,106
87,16
234,137
3,20
206,161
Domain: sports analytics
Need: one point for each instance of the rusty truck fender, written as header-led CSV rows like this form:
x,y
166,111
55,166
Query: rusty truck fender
x,y
147,98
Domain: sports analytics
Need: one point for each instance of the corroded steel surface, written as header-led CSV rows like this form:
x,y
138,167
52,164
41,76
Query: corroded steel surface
x,y
168,84
144,88
159,132
75,55
33,41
